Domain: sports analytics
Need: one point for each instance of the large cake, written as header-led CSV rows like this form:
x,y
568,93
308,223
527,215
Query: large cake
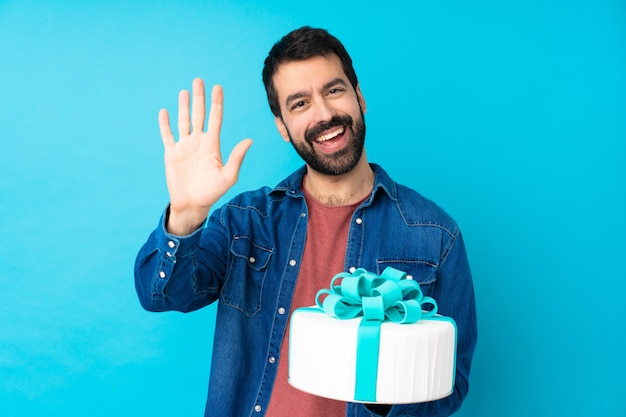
x,y
370,341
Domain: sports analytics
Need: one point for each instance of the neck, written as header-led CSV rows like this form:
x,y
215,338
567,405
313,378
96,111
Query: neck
x,y
341,190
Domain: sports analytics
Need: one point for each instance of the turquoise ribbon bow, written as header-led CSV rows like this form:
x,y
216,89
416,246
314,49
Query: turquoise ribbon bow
x,y
391,296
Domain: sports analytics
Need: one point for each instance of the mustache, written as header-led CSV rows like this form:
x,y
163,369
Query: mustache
x,y
318,129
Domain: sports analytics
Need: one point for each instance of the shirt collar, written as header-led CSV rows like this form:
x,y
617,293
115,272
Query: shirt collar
x,y
292,185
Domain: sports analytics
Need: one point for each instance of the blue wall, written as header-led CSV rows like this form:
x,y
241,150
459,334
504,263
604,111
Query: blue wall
x,y
511,115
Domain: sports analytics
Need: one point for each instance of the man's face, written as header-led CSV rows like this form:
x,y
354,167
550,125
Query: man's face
x,y
322,115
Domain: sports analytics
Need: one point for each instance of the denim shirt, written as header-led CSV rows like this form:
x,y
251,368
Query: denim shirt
x,y
247,257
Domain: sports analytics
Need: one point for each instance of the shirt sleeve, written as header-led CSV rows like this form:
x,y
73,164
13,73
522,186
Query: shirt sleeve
x,y
166,271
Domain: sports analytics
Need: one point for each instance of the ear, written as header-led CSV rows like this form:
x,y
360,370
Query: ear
x,y
361,99
282,129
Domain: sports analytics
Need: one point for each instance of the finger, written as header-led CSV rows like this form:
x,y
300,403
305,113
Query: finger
x,y
235,159
198,112
216,112
183,113
164,126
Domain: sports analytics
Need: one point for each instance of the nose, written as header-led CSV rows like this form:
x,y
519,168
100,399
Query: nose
x,y
323,112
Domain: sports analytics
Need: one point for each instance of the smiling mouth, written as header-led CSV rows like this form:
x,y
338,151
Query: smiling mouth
x,y
331,135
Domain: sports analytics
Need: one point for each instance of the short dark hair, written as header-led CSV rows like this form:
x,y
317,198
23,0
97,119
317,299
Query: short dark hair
x,y
299,45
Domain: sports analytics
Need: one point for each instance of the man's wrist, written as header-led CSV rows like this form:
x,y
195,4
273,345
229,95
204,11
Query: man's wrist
x,y
184,223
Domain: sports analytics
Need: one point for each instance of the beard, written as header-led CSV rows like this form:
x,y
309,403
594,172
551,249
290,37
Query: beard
x,y
337,163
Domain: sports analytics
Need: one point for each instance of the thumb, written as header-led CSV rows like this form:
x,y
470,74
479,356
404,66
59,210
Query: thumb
x,y
235,159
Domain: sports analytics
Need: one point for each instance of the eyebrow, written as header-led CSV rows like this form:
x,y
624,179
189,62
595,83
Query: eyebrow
x,y
296,96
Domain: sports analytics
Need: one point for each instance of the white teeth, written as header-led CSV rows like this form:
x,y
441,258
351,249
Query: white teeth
x,y
330,135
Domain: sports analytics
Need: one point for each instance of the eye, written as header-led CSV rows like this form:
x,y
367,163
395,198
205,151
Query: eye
x,y
298,105
335,90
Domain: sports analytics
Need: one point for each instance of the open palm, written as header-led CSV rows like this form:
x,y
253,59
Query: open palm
x,y
195,172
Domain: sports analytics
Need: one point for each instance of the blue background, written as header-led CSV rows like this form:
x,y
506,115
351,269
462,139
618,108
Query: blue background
x,y
510,115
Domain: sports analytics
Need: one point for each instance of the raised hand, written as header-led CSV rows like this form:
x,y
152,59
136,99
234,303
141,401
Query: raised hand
x,y
196,176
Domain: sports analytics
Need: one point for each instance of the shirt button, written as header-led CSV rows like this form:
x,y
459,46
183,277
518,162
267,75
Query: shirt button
x,y
292,262
169,254
409,277
272,359
281,310
171,244
257,408
359,220
352,269
252,259
303,215
162,274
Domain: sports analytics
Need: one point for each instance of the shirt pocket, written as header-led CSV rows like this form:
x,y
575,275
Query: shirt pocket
x,y
424,272
246,275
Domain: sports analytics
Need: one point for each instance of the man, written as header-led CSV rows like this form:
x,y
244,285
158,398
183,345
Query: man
x,y
268,251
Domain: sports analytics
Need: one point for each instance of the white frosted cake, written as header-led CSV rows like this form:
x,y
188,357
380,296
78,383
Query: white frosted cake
x,y
416,361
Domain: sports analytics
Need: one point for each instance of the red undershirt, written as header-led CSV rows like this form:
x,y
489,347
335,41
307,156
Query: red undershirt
x,y
324,257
